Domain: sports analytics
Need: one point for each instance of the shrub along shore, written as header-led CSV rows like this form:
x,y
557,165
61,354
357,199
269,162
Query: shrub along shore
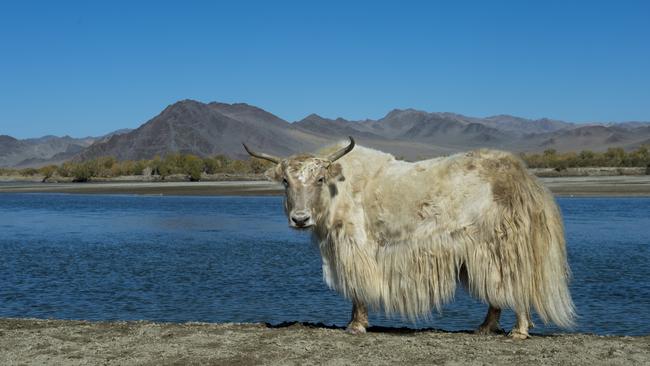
x,y
175,166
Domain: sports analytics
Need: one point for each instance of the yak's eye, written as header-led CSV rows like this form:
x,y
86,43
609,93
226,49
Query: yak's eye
x,y
285,182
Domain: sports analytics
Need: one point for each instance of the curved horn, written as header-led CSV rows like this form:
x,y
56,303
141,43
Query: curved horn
x,y
261,155
339,154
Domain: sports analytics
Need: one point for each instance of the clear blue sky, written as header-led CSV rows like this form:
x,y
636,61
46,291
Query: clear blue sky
x,y
90,67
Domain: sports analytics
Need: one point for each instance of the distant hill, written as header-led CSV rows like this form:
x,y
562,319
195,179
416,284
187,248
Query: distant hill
x,y
35,152
444,133
204,129
207,129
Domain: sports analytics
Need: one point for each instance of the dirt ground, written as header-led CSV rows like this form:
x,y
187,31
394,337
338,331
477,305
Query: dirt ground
x,y
561,186
234,188
60,342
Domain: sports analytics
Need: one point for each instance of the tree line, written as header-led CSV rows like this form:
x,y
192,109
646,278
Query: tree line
x,y
189,165
613,157
194,166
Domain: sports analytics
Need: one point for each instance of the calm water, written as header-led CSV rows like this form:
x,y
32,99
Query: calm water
x,y
233,259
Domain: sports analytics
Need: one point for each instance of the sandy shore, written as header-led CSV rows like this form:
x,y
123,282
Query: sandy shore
x,y
599,186
563,186
235,188
58,342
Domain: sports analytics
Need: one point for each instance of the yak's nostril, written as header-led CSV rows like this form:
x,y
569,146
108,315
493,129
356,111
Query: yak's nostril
x,y
300,220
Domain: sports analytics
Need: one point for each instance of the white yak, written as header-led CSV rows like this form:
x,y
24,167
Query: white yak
x,y
399,235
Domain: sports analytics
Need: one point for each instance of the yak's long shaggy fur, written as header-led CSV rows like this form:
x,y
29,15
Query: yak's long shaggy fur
x,y
398,235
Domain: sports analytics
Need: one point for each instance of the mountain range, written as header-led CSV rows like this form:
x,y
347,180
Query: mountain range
x,y
215,128
45,150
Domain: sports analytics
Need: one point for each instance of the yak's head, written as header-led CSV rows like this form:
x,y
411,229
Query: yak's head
x,y
307,179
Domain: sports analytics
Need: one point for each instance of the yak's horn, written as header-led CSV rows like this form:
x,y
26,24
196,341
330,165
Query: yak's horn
x,y
339,154
261,155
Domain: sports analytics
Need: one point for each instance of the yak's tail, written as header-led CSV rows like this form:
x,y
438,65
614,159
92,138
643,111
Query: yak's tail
x,y
525,265
550,293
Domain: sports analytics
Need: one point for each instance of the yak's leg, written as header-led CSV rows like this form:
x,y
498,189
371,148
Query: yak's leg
x,y
491,323
520,331
359,321
530,322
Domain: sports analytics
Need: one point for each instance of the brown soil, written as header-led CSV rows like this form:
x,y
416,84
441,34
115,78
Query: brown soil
x,y
562,186
236,188
59,342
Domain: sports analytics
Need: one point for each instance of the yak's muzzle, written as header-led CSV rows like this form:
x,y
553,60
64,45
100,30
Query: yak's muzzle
x,y
301,219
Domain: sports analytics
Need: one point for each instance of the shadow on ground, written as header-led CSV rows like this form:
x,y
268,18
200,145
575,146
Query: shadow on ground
x,y
372,329
392,330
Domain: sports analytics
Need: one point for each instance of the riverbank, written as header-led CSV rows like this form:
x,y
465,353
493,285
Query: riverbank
x,y
60,342
561,186
231,188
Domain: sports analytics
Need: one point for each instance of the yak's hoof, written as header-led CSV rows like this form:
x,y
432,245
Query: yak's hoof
x,y
489,330
355,328
515,334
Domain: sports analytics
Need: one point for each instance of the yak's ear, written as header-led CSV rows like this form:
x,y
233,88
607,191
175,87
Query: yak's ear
x,y
274,173
335,172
